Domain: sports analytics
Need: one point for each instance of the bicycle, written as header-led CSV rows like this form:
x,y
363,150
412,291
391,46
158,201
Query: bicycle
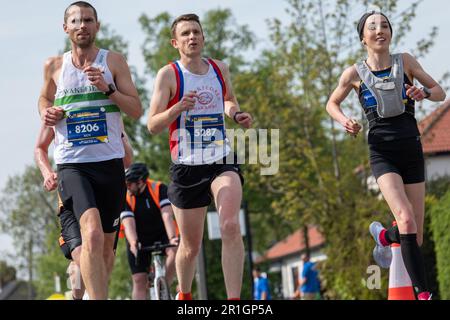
x,y
157,276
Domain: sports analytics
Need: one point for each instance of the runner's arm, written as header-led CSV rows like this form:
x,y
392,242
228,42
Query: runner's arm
x,y
437,93
128,159
45,138
345,86
168,219
231,103
159,116
49,115
126,96
48,90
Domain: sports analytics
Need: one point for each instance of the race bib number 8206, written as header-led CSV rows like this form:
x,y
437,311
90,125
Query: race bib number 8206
x,y
87,126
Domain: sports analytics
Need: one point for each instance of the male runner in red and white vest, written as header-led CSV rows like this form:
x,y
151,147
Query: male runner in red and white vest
x,y
192,97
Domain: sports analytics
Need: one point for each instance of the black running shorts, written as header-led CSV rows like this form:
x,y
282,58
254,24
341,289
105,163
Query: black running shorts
x,y
404,157
65,250
70,232
190,186
100,185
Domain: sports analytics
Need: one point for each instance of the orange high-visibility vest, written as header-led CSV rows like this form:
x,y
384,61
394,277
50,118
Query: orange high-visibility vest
x,y
153,188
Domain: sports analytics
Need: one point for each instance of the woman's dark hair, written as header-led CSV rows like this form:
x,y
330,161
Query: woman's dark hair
x,y
362,22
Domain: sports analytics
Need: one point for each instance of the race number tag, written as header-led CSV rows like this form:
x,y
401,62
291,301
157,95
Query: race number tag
x,y
205,131
87,127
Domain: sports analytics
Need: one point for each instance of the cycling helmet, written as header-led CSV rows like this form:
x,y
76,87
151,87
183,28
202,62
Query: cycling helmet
x,y
136,172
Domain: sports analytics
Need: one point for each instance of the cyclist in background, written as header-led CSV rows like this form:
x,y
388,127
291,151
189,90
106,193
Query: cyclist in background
x,y
148,219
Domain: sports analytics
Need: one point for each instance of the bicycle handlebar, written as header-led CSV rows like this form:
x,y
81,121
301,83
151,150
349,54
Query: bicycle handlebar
x,y
158,246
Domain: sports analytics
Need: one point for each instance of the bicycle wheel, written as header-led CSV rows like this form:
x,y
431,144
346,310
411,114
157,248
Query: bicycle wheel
x,y
162,289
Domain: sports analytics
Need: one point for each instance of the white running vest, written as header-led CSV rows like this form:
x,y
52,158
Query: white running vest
x,y
199,135
91,128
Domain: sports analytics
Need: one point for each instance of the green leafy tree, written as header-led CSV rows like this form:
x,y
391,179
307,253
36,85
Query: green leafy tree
x,y
51,264
29,212
436,190
440,223
120,285
7,273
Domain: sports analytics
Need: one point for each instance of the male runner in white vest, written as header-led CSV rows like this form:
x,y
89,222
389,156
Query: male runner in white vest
x,y
70,239
83,94
191,96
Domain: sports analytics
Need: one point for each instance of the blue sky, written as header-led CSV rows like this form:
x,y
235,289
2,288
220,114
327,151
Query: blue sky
x,y
31,31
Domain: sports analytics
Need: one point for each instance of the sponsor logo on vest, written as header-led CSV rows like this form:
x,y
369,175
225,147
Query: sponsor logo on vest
x,y
205,98
71,91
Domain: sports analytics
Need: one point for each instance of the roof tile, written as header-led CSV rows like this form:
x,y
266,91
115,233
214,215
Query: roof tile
x,y
435,130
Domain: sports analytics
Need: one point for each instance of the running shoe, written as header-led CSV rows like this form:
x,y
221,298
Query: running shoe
x,y
381,254
183,297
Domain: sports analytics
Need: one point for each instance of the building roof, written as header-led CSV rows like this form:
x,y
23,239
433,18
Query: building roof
x,y
294,244
435,130
16,290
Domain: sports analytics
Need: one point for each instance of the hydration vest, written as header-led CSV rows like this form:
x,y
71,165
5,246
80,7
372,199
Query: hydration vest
x,y
387,92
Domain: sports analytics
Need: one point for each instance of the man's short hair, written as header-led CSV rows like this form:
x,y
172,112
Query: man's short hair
x,y
83,4
185,17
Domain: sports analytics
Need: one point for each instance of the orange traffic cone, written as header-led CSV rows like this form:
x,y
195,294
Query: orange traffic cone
x,y
400,286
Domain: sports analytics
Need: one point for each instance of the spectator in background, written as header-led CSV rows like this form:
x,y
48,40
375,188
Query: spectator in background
x,y
309,284
261,285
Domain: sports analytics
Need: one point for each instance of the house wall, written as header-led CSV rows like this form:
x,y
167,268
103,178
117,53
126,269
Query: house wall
x,y
437,166
288,266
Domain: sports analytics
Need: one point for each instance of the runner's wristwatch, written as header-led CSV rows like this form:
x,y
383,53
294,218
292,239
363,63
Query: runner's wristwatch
x,y
427,92
112,89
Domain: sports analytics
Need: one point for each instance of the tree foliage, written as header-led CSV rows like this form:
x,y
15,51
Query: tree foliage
x,y
322,178
440,224
7,273
28,214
